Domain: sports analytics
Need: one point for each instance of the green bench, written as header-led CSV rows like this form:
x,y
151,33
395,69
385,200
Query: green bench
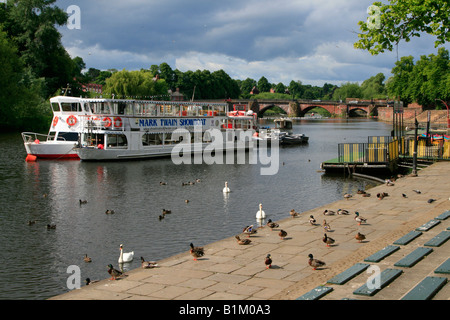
x,y
316,293
407,238
383,253
427,226
438,240
426,289
443,215
386,277
348,274
414,257
444,267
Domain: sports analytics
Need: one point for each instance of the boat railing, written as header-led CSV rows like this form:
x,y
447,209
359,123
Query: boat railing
x,y
29,137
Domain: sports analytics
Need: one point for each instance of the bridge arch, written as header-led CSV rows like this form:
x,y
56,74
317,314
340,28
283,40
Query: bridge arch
x,y
271,106
309,108
357,112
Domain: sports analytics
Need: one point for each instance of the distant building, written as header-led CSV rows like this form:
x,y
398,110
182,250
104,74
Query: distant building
x,y
176,96
254,90
92,87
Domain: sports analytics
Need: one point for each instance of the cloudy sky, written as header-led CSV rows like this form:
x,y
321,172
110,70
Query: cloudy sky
x,y
306,40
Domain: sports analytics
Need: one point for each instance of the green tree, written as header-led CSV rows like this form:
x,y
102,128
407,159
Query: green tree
x,y
296,89
263,85
388,24
374,88
348,90
397,84
246,86
31,25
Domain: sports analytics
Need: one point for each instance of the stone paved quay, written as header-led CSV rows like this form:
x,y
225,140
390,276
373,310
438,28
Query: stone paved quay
x,y
229,271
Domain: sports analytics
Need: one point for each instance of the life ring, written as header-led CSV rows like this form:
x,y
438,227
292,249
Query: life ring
x,y
55,121
117,122
107,122
71,120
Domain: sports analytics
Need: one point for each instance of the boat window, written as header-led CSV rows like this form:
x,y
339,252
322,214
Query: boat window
x,y
55,106
151,139
67,136
149,109
99,107
119,107
94,139
138,109
116,140
168,138
71,107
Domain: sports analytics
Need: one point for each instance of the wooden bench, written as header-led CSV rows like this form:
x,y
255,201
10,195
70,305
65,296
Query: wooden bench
x,y
316,293
438,240
383,253
444,267
386,277
407,238
348,274
427,226
426,289
414,257
443,215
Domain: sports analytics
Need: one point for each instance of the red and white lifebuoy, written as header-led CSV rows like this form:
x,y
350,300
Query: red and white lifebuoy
x,y
55,121
71,120
118,122
107,122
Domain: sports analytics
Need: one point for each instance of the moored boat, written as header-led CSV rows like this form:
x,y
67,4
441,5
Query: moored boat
x,y
130,129
294,139
284,124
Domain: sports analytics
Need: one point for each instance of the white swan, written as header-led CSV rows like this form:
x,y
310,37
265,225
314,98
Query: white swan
x,y
226,189
260,214
125,257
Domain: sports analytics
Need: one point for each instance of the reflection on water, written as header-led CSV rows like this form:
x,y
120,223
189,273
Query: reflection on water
x,y
36,259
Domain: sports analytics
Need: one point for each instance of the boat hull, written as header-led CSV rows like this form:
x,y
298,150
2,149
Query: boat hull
x,y
50,150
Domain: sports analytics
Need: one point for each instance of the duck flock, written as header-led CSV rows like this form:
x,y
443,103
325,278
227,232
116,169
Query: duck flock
x,y
244,237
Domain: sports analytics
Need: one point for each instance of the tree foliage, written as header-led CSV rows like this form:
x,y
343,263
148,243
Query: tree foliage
x,y
388,24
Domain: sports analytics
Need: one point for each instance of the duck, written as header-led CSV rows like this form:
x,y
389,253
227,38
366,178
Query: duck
x,y
148,264
198,180
312,221
282,234
260,214
51,226
113,272
249,230
161,183
83,202
88,281
186,201
108,211
360,237
326,225
348,196
327,240
31,222
272,224
226,189
268,261
359,219
342,211
315,263
125,257
293,213
165,211
196,252
404,195
389,182
329,212
431,200
161,216
242,241
87,259
417,191
360,191
366,195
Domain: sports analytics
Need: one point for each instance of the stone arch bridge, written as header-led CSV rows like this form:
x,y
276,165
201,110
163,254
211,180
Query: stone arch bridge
x,y
298,108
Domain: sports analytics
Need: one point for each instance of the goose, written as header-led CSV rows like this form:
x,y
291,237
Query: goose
x,y
196,252
293,213
327,240
272,224
260,214
282,234
360,237
125,257
359,219
315,263
148,264
113,272
87,259
242,241
226,189
312,221
329,212
268,261
326,225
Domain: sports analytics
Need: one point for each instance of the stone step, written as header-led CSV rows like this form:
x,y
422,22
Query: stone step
x,y
316,293
348,274
414,257
386,277
407,238
383,253
426,289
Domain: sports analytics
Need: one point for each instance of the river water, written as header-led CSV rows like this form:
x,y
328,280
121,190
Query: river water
x,y
36,262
